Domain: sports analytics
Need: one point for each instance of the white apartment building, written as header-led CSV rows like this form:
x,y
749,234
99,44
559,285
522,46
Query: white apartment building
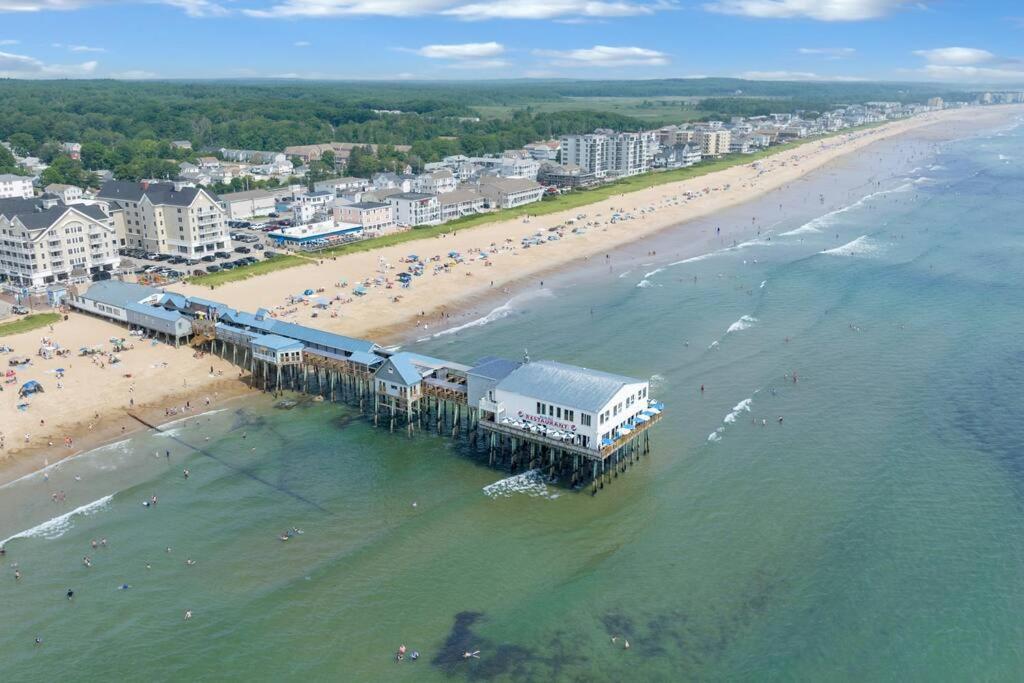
x,y
435,182
589,152
629,154
339,186
15,186
168,218
464,202
415,208
307,206
44,241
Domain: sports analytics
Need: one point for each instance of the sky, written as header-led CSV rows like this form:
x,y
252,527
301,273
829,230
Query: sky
x,y
978,42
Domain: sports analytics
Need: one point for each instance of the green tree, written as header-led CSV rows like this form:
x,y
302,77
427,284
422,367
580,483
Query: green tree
x,y
23,143
66,171
7,162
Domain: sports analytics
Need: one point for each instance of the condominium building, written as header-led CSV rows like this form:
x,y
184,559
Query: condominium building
x,y
607,153
44,241
436,182
589,152
713,143
415,208
378,216
508,193
15,186
168,218
464,202
628,154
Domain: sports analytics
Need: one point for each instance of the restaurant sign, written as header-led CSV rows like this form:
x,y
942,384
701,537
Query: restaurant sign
x,y
548,421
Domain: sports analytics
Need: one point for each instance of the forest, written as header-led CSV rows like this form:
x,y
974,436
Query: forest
x,y
127,126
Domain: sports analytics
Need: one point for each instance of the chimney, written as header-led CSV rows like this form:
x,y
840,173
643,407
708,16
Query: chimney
x,y
145,185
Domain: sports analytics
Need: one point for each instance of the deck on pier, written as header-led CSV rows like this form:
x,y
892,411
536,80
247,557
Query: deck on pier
x,y
588,453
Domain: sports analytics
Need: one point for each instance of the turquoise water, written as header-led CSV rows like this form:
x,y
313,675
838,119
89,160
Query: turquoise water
x,y
877,533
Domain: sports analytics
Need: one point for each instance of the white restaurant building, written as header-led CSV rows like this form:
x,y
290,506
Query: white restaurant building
x,y
589,404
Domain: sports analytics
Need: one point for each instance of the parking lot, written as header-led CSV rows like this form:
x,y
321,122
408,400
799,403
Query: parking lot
x,y
249,245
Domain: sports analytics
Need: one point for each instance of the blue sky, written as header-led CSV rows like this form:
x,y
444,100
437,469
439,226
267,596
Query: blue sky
x,y
973,41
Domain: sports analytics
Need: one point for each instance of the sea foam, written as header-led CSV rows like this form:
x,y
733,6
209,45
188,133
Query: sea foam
x,y
56,527
530,482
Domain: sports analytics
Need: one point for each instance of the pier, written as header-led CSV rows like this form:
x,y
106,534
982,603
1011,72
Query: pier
x,y
575,425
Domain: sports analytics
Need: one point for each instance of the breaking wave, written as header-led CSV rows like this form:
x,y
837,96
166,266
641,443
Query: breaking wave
x,y
744,323
742,406
502,311
644,284
862,246
56,527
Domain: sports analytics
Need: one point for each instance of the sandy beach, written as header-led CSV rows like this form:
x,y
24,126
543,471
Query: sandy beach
x,y
96,396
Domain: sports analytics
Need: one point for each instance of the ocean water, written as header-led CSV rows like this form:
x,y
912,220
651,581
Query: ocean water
x,y
876,533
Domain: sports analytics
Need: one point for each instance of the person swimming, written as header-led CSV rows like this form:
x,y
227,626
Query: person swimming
x,y
70,594
123,587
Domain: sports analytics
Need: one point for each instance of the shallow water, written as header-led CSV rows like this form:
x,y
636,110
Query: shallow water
x,y
876,533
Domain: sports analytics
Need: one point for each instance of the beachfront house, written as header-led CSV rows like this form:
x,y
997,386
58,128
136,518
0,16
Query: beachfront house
x,y
596,408
508,193
156,321
378,216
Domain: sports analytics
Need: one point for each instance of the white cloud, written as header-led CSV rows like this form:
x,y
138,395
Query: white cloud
x,y
193,8
794,76
970,64
461,9
549,9
462,51
197,8
602,55
957,56
40,5
86,48
8,41
302,43
479,64
822,10
828,52
23,66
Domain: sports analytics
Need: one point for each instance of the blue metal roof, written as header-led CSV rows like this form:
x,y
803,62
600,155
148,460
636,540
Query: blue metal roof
x,y
117,293
567,385
407,372
179,301
364,358
275,342
154,311
494,368
304,334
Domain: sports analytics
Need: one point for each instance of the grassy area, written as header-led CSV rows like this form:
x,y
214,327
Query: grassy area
x,y
29,322
654,110
245,272
563,202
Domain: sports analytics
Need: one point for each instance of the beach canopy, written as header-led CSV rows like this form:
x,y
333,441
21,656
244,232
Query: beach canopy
x,y
309,292
30,387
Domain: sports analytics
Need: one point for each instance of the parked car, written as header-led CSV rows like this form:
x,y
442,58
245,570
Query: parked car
x,y
177,260
221,254
257,246
162,257
209,258
192,262
20,310
227,265
243,250
269,254
274,214
212,269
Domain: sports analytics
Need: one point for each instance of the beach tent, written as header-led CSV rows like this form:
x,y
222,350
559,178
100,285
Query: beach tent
x,y
359,290
321,302
30,387
309,292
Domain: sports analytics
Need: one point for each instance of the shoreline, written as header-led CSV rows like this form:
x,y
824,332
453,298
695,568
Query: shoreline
x,y
467,299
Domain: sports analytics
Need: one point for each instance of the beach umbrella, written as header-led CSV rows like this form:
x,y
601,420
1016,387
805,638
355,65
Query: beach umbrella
x,y
309,292
30,387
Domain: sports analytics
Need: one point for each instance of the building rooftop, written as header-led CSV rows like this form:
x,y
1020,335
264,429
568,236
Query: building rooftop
x,y
494,368
566,385
158,193
366,205
117,293
411,196
276,342
155,311
249,194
